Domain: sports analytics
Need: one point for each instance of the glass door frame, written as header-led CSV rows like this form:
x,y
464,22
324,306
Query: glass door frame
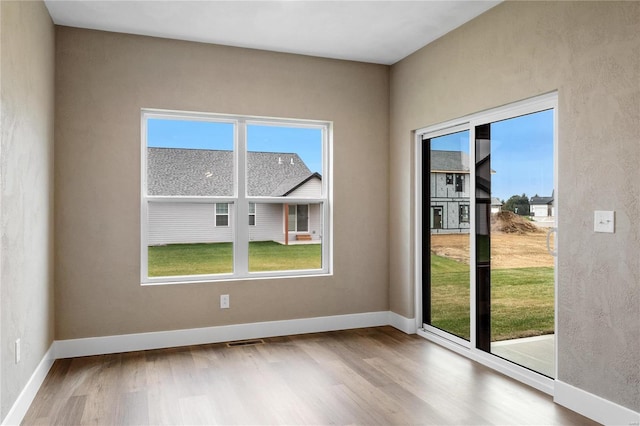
x,y
469,348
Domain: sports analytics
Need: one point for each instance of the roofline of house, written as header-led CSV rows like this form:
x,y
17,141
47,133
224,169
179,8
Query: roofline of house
x,y
221,150
307,179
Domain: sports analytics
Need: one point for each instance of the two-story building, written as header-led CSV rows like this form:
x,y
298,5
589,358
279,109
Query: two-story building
x,y
449,192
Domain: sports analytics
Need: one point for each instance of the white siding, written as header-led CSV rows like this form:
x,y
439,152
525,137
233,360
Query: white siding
x,y
541,210
173,223
269,223
312,189
184,223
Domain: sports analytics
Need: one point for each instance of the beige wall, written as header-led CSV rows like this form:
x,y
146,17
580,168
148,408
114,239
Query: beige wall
x,y
26,192
590,53
104,79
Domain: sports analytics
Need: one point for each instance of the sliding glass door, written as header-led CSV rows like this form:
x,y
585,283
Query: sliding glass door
x,y
488,221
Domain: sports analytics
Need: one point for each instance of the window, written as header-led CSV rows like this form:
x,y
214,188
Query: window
x,y
252,214
222,214
449,178
198,166
459,183
464,213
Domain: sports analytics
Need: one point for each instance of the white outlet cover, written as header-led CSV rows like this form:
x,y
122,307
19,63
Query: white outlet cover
x,y
224,301
603,221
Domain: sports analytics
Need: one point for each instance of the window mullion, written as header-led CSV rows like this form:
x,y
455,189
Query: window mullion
x,y
241,244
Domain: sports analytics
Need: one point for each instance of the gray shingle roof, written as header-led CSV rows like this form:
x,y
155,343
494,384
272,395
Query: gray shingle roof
x,y
541,200
454,161
200,172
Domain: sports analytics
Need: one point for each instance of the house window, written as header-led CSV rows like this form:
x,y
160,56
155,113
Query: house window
x,y
222,214
252,214
196,165
464,213
449,178
459,183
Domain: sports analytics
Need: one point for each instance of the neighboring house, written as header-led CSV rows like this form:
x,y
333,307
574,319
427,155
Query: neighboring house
x,y
496,205
449,192
541,206
181,172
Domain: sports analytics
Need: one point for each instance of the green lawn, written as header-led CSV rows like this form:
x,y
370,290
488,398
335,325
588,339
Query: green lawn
x,y
522,300
217,258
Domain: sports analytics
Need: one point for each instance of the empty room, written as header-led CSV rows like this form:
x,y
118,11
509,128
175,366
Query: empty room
x,y
319,212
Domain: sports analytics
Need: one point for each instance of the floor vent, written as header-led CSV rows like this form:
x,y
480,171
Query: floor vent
x,y
245,343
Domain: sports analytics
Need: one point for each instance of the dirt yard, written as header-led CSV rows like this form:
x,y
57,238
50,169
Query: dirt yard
x,y
515,243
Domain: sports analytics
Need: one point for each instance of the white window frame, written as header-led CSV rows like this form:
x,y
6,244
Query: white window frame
x,y
252,214
296,217
216,214
239,199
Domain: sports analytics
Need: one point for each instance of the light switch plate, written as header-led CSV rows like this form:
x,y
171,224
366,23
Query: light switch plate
x,y
603,221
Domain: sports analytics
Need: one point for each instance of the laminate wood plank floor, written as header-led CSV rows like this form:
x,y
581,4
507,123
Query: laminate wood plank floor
x,y
370,376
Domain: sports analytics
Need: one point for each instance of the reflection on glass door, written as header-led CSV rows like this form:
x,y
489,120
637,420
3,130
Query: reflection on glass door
x,y
446,208
522,220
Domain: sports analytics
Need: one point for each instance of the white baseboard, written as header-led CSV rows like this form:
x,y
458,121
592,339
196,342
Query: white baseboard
x,y
198,336
406,325
22,404
592,406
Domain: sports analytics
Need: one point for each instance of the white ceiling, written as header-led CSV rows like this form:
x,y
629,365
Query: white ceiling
x,y
380,32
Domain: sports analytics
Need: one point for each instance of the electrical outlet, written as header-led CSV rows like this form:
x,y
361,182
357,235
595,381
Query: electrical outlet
x,y
17,351
224,301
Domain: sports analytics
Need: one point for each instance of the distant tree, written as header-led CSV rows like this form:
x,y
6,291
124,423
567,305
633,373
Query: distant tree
x,y
519,204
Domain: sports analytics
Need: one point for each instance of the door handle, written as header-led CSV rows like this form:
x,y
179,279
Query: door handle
x,y
549,232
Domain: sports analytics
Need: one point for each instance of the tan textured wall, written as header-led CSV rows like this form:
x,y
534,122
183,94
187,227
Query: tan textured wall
x,y
103,79
26,192
590,53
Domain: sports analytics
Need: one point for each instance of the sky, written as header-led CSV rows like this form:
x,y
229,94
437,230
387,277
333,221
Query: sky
x,y
521,147
306,142
521,154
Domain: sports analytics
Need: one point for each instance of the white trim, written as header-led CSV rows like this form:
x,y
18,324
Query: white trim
x,y
459,341
404,324
594,407
216,214
23,402
226,333
556,193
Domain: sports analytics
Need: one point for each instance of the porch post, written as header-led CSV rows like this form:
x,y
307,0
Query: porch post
x,y
286,224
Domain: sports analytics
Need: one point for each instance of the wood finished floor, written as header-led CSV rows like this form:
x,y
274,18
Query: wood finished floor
x,y
367,376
